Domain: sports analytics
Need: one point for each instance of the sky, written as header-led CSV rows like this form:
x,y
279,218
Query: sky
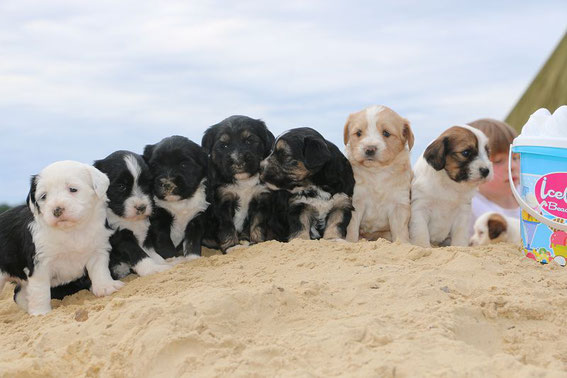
x,y
81,79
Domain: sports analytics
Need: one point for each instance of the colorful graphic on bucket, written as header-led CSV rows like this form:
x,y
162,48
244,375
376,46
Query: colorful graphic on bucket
x,y
543,187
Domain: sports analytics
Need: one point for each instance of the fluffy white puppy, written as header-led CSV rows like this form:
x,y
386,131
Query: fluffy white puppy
x,y
378,143
446,178
64,234
493,227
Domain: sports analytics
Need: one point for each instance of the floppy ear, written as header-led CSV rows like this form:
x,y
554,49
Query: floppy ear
x,y
208,140
148,151
346,131
496,226
99,180
269,143
408,134
30,200
316,153
436,153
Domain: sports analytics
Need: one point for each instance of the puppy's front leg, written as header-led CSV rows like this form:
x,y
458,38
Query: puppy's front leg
x,y
419,228
353,229
460,227
193,237
102,282
38,291
399,219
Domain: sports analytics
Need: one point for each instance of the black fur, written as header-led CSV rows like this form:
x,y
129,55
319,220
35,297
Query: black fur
x,y
310,168
178,167
17,249
235,147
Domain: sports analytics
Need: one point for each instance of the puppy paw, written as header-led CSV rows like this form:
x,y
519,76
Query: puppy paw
x,y
337,240
234,248
39,311
148,266
106,288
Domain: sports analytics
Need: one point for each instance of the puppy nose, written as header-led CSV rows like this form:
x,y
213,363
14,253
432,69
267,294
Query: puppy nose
x,y
58,211
140,209
370,150
484,172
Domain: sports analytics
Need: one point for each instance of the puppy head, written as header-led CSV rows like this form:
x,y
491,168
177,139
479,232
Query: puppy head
x,y
237,145
177,166
489,228
129,193
376,135
298,154
66,193
462,151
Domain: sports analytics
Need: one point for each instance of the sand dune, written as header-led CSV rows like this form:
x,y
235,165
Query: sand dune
x,y
308,308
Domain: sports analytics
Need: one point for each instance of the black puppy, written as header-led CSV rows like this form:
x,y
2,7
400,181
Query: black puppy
x,y
319,180
179,169
236,146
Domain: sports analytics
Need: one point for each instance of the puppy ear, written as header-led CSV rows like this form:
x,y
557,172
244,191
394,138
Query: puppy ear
x,y
496,226
99,180
148,151
30,200
408,134
436,153
208,140
316,153
346,132
269,144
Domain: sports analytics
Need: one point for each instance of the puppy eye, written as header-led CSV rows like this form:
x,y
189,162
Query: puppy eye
x,y
73,190
481,233
466,153
358,133
386,133
224,145
43,197
122,187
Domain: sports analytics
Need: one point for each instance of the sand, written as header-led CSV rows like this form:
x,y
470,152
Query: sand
x,y
308,308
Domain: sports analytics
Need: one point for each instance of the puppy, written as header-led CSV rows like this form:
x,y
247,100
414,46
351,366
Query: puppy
x,y
179,168
240,203
446,178
492,227
319,180
378,143
57,236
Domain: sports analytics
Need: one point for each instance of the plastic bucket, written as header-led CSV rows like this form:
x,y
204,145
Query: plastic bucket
x,y
543,201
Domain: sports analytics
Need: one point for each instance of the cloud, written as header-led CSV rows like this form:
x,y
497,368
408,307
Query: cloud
x,y
80,79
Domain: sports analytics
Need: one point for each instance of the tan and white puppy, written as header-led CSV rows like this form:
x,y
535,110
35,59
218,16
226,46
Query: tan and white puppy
x,y
378,143
69,234
446,178
493,227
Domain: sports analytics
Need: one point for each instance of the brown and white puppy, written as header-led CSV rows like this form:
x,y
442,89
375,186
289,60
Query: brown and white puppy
x,y
446,178
378,143
493,227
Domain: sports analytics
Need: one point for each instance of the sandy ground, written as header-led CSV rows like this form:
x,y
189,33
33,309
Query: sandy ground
x,y
312,308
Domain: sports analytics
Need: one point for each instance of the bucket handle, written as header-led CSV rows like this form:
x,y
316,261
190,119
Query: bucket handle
x,y
548,222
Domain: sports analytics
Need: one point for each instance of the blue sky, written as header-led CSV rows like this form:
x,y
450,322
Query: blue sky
x,y
81,79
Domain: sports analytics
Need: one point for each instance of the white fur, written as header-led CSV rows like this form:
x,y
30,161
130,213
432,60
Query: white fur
x,y
76,240
245,189
481,232
137,197
183,211
441,207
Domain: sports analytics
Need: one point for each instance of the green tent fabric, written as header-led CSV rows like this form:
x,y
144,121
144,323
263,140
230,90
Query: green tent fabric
x,y
547,90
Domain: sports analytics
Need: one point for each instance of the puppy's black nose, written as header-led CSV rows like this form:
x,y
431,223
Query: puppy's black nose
x,y
58,212
484,172
140,209
370,151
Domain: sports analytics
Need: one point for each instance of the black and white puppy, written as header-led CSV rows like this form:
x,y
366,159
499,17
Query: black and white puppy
x,y
129,208
59,235
239,202
318,177
179,173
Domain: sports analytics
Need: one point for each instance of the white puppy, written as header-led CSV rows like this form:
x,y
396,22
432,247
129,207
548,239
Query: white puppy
x,y
378,143
492,227
64,234
446,178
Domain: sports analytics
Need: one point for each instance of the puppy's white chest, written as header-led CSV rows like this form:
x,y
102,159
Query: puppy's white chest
x,y
245,190
138,227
